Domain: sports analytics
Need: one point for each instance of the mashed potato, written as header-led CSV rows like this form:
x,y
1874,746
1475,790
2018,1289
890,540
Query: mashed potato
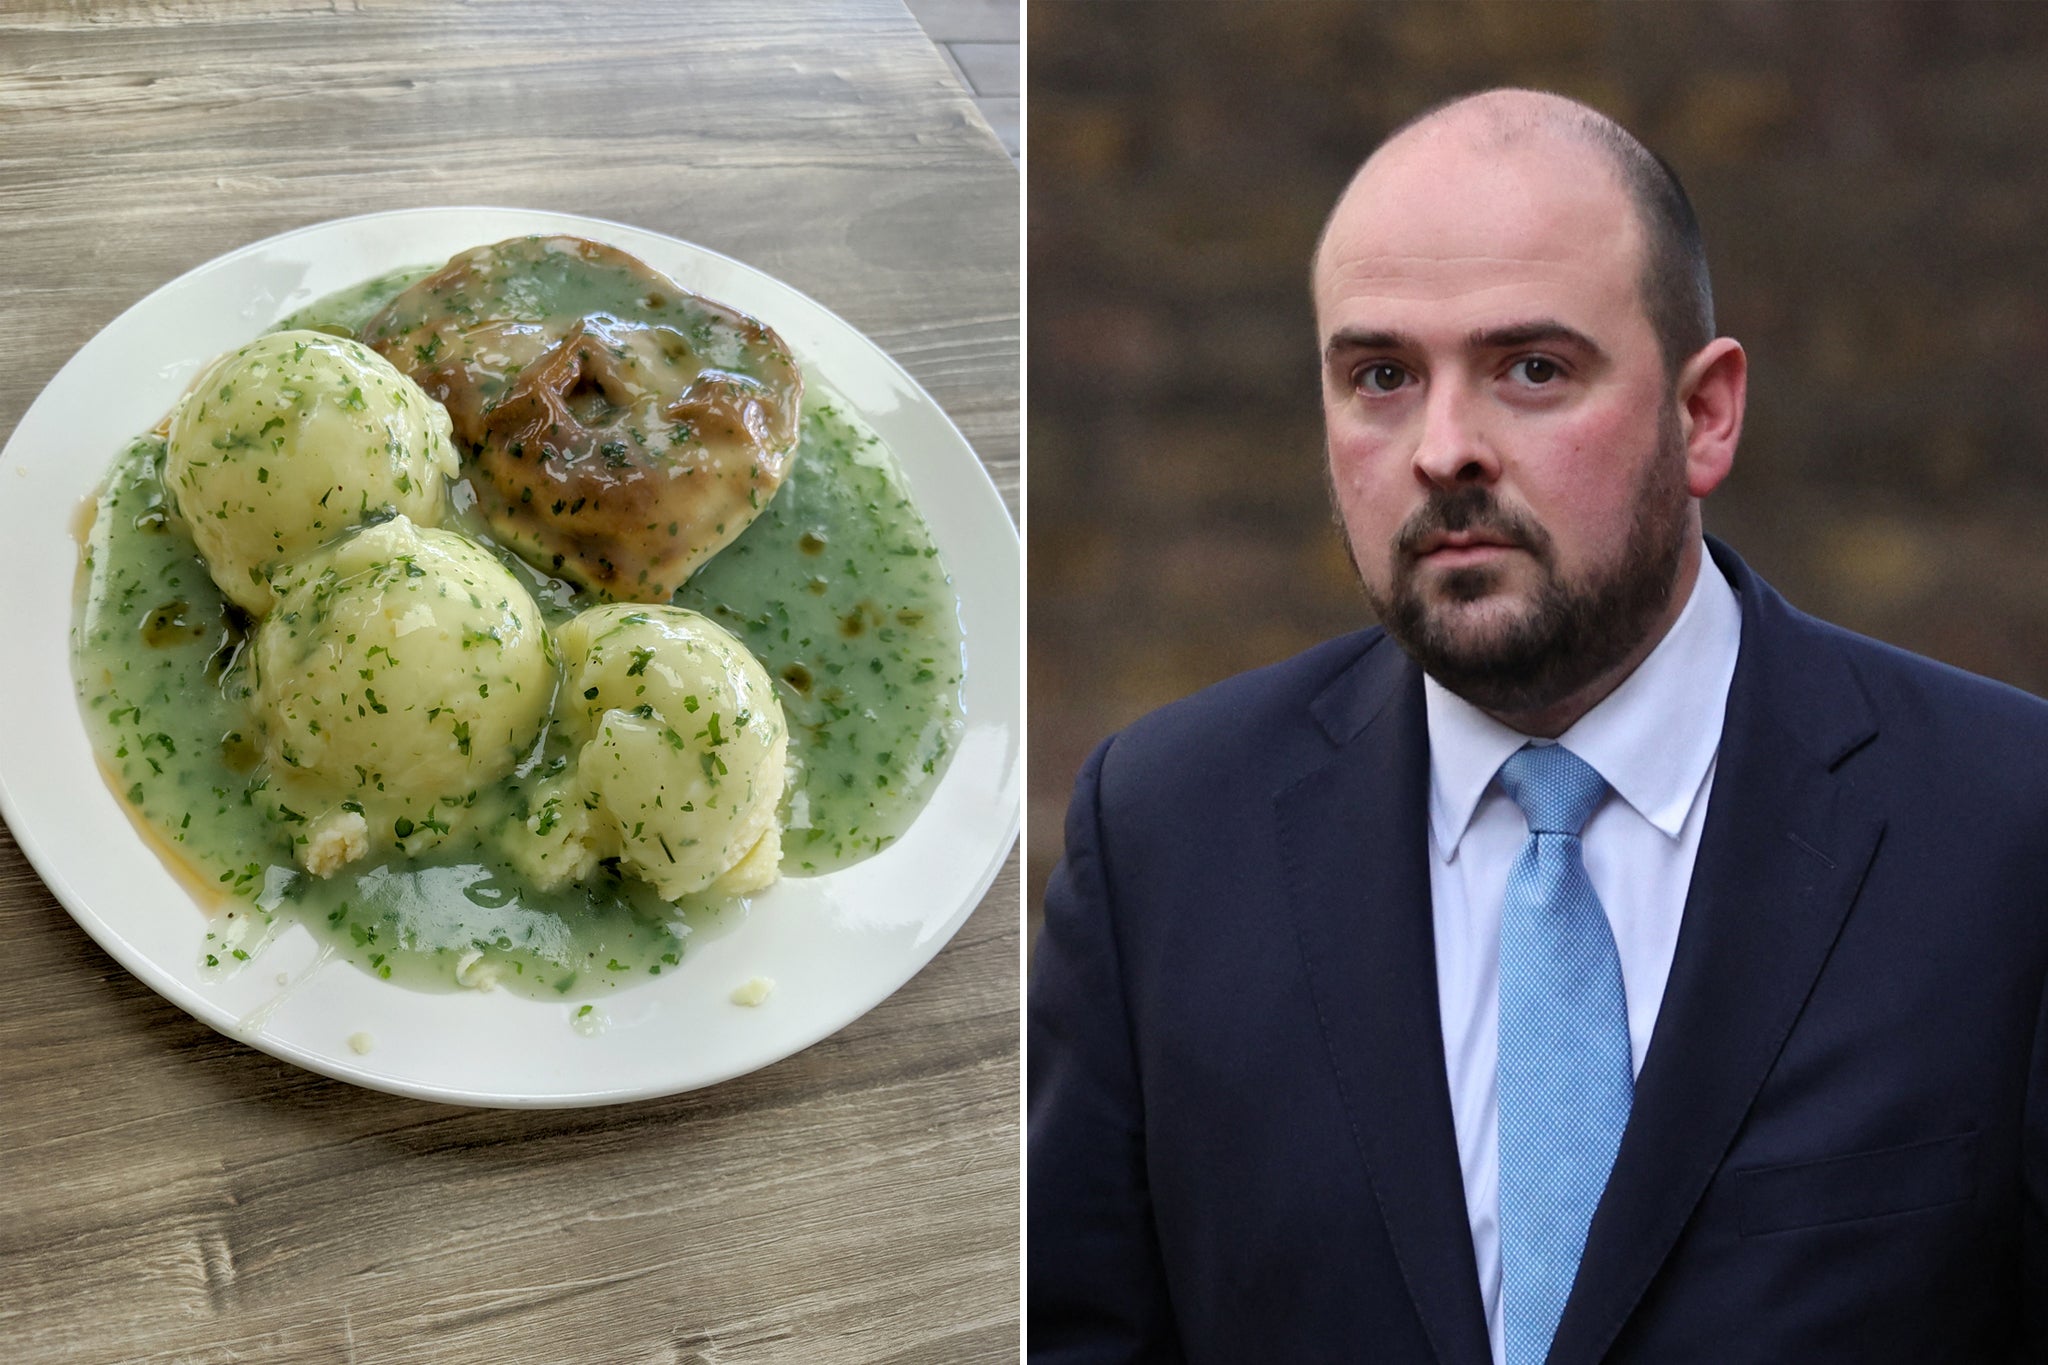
x,y
681,763
401,670
291,440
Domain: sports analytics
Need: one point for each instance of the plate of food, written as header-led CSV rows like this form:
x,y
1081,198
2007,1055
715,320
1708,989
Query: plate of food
x,y
506,658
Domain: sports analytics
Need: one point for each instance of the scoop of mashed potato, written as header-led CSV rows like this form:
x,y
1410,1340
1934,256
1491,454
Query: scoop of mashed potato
x,y
401,669
681,759
290,440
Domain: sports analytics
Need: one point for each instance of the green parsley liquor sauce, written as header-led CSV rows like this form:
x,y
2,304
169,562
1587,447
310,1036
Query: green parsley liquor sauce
x,y
836,587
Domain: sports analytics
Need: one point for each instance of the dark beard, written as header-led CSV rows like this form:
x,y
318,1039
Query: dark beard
x,y
1575,632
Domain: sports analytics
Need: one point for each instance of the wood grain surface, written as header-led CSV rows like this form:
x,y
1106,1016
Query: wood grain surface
x,y
173,1195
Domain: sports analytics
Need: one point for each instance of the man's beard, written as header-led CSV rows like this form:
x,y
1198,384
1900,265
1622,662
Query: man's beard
x,y
1574,632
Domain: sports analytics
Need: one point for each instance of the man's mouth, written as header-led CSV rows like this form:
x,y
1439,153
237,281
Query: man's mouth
x,y
1467,529
1458,549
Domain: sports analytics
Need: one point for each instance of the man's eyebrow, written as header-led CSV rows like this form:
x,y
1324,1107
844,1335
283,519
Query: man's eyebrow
x,y
1506,338
1535,333
1353,339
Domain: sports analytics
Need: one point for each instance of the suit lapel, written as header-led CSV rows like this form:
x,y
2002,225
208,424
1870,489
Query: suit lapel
x,y
1354,840
1782,854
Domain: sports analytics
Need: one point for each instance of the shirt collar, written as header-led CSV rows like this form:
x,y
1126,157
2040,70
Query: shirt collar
x,y
1630,738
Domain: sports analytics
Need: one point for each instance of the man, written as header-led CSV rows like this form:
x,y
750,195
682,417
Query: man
x,y
1602,961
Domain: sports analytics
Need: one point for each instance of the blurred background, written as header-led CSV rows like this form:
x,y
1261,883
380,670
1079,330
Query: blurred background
x,y
1873,184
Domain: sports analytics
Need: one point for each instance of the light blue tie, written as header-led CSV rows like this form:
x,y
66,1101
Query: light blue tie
x,y
1564,1071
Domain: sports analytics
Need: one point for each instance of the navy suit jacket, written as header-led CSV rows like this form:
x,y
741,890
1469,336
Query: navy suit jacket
x,y
1241,1145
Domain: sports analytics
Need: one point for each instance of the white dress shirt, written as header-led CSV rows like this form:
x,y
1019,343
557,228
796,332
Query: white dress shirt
x,y
1653,739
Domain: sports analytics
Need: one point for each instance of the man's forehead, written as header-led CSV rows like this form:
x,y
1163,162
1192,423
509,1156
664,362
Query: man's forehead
x,y
1434,214
1421,190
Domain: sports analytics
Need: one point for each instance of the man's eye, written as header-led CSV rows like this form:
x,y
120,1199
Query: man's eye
x,y
1382,378
1535,370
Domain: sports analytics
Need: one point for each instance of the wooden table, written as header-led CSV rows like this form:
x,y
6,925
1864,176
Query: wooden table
x,y
170,1194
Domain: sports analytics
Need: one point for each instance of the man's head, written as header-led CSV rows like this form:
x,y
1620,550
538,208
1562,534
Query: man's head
x,y
1522,396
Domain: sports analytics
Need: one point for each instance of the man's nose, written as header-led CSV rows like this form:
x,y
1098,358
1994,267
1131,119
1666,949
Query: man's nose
x,y
1454,446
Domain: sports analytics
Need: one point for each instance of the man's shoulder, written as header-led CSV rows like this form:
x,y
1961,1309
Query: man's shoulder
x,y
1815,674
1895,678
1266,720
1921,704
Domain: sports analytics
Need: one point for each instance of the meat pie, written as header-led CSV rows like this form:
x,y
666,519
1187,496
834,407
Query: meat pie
x,y
623,453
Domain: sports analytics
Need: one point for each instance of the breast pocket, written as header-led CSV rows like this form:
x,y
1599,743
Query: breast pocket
x,y
1922,1175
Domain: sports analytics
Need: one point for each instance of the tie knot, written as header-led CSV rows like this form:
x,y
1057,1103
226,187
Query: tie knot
x,y
1556,789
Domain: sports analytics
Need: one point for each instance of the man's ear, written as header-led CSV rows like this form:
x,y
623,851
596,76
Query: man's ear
x,y
1712,388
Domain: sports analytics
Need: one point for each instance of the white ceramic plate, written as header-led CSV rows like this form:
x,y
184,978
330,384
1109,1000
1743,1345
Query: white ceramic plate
x,y
835,946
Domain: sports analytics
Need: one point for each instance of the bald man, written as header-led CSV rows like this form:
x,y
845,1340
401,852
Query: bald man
x,y
1599,960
